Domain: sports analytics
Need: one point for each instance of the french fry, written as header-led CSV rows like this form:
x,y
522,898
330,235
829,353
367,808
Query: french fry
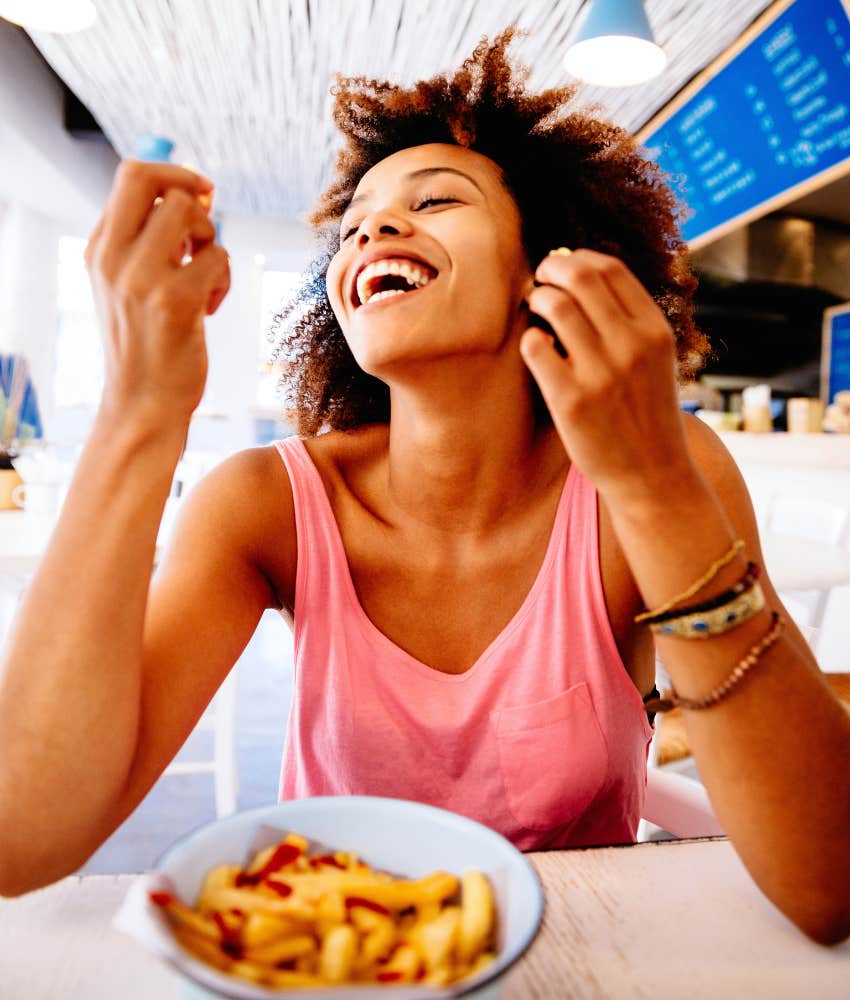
x,y
284,950
312,885
476,915
203,948
481,963
220,877
258,862
339,950
248,970
288,920
427,911
250,901
403,966
285,979
330,912
379,941
442,975
435,939
262,928
402,893
186,917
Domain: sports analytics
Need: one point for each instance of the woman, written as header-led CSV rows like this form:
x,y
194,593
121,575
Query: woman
x,y
466,551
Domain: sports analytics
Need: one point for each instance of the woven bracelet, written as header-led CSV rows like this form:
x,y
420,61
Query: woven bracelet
x,y
707,577
704,625
745,583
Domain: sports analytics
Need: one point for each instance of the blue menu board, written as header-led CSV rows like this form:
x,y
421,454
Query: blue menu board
x,y
776,116
835,353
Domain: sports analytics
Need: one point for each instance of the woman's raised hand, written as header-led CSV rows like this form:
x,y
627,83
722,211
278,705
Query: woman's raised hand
x,y
613,397
151,305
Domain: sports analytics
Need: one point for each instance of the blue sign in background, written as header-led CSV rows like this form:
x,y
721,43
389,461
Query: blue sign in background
x,y
777,115
838,333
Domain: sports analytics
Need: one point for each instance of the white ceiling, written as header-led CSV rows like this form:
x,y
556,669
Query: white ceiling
x,y
241,86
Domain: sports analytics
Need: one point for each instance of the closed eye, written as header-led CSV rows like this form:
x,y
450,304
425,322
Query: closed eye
x,y
424,203
427,202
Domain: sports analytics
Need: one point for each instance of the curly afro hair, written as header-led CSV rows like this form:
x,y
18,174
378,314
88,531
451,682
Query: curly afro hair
x,y
577,180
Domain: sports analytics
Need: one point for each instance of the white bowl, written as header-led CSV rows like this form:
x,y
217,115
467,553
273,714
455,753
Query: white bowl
x,y
406,838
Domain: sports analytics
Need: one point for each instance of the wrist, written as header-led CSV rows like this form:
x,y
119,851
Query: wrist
x,y
141,420
652,498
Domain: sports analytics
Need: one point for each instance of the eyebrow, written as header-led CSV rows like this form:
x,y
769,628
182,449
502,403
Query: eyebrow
x,y
417,175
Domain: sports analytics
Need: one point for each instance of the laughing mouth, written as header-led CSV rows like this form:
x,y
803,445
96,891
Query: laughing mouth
x,y
390,276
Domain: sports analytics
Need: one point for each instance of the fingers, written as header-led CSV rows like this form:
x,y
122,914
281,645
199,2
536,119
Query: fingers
x,y
608,291
567,318
587,283
599,309
552,374
137,185
209,271
177,224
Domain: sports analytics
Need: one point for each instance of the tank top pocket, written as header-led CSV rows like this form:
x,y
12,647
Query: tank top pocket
x,y
553,757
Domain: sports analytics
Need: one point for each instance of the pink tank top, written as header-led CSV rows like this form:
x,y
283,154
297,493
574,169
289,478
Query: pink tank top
x,y
545,738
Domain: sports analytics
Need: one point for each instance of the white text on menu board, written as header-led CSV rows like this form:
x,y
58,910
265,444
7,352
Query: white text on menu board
x,y
799,82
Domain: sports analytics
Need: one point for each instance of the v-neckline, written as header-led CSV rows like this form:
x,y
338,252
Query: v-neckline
x,y
392,647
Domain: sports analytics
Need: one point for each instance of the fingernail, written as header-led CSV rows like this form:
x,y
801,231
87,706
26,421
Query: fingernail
x,y
561,251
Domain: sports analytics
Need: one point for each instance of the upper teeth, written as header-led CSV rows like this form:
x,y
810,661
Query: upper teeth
x,y
410,271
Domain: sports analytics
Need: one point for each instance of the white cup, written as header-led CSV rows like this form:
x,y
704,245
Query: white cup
x,y
37,498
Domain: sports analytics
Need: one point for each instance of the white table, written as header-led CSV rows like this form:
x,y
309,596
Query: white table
x,y
671,919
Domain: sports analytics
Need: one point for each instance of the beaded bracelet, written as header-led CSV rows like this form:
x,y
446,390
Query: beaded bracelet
x,y
703,625
744,584
671,700
707,577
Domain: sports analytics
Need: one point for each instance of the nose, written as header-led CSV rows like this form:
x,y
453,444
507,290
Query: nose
x,y
380,224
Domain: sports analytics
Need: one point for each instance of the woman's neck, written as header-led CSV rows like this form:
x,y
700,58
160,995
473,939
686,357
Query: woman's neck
x,y
461,456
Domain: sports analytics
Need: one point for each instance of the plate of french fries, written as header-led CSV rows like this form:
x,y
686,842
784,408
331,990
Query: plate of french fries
x,y
340,896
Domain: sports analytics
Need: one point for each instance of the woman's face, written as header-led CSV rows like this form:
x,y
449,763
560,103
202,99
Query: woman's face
x,y
431,262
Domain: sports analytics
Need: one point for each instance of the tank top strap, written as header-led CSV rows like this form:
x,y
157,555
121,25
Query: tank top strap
x,y
322,566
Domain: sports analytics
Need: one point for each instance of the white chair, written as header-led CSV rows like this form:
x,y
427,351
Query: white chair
x,y
678,804
808,539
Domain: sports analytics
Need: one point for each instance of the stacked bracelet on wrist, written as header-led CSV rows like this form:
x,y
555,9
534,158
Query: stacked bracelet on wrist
x,y
707,577
715,615
742,586
730,614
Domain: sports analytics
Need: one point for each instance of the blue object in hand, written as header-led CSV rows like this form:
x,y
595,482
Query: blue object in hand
x,y
154,148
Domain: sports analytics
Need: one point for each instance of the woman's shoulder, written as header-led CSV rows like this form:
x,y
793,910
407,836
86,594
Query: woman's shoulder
x,y
721,472
347,459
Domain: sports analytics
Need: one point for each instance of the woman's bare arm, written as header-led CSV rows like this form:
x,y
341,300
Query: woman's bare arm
x,y
773,755
106,674
74,698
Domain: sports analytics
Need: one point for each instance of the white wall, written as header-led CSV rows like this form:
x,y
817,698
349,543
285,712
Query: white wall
x,y
41,165
52,184
28,260
224,419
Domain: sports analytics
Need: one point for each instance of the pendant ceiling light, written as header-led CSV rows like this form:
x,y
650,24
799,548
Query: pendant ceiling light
x,y
615,47
59,16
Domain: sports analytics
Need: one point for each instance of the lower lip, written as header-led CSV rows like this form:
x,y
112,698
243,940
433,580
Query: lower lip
x,y
394,298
